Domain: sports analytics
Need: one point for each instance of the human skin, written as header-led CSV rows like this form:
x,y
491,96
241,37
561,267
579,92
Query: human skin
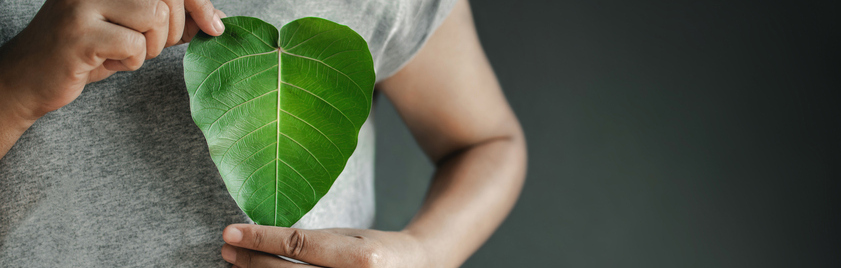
x,y
71,43
449,97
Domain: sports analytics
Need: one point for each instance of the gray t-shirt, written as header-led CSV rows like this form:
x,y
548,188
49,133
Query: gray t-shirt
x,y
122,176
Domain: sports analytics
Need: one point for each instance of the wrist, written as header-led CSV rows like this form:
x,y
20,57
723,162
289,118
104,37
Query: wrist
x,y
13,114
13,102
425,248
13,111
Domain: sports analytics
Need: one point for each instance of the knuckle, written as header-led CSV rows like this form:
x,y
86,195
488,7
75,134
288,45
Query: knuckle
x,y
134,64
258,237
136,43
162,13
136,61
295,244
370,255
91,56
247,259
173,39
153,53
206,6
147,8
147,13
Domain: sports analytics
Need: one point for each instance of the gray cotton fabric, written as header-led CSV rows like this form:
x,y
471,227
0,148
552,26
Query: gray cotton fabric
x,y
122,177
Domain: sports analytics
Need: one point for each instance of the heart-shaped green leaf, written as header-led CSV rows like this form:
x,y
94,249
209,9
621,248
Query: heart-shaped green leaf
x,y
281,111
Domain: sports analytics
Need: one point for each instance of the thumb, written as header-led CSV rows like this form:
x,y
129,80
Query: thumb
x,y
205,16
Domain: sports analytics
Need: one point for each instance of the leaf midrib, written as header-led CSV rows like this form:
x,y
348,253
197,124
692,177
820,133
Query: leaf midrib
x,y
281,51
243,102
277,152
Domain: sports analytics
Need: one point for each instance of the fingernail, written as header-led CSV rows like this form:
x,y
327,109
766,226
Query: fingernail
x,y
217,24
233,235
229,254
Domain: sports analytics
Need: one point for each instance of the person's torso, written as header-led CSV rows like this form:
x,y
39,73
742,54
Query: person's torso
x,y
122,176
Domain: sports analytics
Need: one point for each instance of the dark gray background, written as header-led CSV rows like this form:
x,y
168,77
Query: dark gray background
x,y
661,134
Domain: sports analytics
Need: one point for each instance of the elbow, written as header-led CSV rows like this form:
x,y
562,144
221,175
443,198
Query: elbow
x,y
505,152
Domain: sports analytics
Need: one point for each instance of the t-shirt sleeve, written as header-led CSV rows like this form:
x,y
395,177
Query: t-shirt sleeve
x,y
416,21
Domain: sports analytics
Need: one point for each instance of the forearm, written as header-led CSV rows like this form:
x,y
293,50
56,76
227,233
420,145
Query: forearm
x,y
14,121
471,194
450,99
14,117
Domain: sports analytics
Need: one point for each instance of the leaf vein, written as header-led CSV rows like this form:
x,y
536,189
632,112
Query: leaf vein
x,y
199,87
340,52
260,204
316,129
255,35
301,211
328,46
243,137
308,151
293,36
308,39
223,45
247,158
206,57
365,96
322,99
249,177
302,177
253,75
238,105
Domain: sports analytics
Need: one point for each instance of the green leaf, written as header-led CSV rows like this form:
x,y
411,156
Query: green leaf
x,y
281,111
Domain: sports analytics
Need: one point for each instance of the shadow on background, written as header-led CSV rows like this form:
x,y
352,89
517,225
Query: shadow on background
x,y
661,134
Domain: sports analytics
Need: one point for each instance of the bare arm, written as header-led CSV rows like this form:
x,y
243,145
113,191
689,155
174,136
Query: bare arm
x,y
451,100
14,120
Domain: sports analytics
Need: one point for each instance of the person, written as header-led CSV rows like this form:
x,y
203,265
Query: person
x,y
118,175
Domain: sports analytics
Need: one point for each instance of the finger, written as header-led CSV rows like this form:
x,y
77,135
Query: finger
x,y
176,21
246,258
98,74
139,15
117,47
190,30
203,12
115,66
156,38
311,246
